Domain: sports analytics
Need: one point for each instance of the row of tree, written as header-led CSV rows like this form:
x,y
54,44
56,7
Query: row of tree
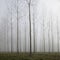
x,y
17,18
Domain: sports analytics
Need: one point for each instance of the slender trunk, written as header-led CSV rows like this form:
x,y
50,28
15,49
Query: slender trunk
x,y
30,28
25,36
52,33
17,29
57,34
49,35
34,31
7,37
20,37
11,33
4,31
43,34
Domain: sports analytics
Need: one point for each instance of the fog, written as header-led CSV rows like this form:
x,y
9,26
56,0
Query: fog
x,y
45,25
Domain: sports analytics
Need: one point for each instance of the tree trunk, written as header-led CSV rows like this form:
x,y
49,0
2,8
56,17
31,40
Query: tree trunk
x,y
11,32
17,29
52,33
49,35
34,32
57,34
43,34
30,28
25,36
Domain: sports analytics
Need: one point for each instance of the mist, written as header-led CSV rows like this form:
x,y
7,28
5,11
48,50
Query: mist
x,y
45,26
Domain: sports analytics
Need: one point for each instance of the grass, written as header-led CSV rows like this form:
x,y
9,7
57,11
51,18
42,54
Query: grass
x,y
25,56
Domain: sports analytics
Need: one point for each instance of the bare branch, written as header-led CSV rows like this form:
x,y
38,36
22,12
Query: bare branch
x,y
28,2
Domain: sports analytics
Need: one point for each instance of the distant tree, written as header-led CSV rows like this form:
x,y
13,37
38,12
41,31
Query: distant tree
x,y
34,31
9,7
57,34
17,26
43,24
4,26
14,6
20,38
7,34
11,33
49,34
52,32
25,36
43,33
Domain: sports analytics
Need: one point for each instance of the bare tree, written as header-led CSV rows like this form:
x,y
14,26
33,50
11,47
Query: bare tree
x,y
17,28
4,19
17,18
7,35
43,33
7,32
10,14
49,34
57,34
25,36
52,32
7,18
34,29
29,6
11,28
43,17
11,32
20,37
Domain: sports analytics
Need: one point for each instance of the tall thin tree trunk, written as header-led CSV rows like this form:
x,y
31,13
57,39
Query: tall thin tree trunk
x,y
25,36
52,32
11,33
49,35
34,31
57,34
20,37
29,6
7,37
43,34
17,29
30,26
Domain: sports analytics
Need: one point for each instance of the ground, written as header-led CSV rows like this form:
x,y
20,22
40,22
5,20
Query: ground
x,y
26,56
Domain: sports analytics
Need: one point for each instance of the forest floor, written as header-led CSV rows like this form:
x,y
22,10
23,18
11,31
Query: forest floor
x,y
26,56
